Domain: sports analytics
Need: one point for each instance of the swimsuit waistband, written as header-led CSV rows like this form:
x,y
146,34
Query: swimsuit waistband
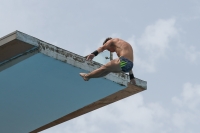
x,y
122,57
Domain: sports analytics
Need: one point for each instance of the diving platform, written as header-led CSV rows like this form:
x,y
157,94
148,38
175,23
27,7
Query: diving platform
x,y
40,86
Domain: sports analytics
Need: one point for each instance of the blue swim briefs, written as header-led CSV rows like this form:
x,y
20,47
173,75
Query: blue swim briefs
x,y
125,64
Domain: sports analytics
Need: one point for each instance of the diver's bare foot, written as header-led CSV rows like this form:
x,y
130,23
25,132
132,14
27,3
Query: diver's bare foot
x,y
83,75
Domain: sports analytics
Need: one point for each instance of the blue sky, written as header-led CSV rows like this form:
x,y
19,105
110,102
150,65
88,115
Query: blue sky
x,y
166,43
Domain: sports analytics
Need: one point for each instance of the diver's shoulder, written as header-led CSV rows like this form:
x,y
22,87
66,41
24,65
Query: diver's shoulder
x,y
116,40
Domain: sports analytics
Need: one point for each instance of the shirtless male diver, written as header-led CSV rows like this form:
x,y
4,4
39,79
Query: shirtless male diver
x,y
122,64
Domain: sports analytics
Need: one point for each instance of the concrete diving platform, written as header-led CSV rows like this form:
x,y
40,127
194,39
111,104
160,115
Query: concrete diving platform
x,y
40,86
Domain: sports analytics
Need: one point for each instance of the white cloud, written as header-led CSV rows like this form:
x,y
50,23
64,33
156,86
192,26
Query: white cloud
x,y
182,118
156,37
187,107
154,42
190,97
191,54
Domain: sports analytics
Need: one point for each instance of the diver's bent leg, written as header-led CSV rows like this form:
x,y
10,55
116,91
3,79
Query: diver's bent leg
x,y
102,71
112,66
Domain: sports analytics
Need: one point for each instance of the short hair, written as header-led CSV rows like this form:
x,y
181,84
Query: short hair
x,y
107,39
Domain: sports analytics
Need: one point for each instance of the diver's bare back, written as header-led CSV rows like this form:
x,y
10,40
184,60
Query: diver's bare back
x,y
123,48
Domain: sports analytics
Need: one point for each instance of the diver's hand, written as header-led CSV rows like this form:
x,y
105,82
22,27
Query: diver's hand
x,y
90,57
